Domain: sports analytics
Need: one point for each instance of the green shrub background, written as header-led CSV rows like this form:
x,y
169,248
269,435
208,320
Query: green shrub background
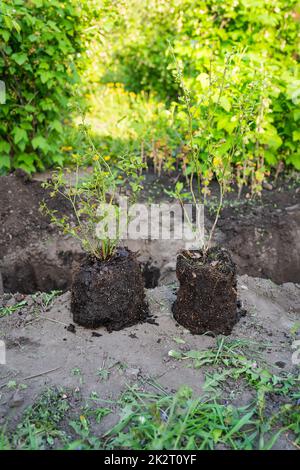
x,y
40,43
268,31
118,55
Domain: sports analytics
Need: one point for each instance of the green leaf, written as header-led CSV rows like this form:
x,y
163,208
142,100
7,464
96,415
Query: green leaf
x,y
20,58
294,160
4,147
203,78
271,138
175,354
271,158
178,340
194,354
25,162
225,123
45,76
5,35
225,103
216,434
59,159
296,136
20,135
179,186
56,125
41,143
296,115
4,162
242,422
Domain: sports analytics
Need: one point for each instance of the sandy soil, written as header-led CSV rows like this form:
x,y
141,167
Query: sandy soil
x,y
43,350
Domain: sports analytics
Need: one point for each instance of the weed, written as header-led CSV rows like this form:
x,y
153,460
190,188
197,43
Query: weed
x,y
13,385
46,298
103,374
39,426
76,372
4,441
7,311
290,415
158,420
235,360
295,329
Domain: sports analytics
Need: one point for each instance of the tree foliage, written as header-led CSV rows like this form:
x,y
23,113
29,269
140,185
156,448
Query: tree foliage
x,y
49,47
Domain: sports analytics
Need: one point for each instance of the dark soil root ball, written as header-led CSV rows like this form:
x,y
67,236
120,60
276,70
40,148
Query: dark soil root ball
x,y
207,297
109,293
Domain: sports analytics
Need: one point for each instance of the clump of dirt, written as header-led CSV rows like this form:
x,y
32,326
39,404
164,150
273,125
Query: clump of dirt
x,y
207,296
151,275
109,293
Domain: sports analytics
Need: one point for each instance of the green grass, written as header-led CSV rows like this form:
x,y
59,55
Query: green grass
x,y
235,360
290,416
39,427
4,441
150,418
181,422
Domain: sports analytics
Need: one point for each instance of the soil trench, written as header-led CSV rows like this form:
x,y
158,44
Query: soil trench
x,y
263,237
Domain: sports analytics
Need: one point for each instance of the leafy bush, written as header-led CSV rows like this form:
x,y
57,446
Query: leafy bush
x,y
41,43
211,152
136,37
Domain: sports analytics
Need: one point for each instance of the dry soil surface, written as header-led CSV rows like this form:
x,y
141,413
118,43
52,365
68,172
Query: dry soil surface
x,y
43,350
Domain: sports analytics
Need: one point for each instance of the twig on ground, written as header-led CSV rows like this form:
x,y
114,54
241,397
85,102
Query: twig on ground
x,y
41,373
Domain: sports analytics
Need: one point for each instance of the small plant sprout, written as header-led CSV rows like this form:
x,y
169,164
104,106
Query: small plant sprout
x,y
46,298
103,374
6,311
76,372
